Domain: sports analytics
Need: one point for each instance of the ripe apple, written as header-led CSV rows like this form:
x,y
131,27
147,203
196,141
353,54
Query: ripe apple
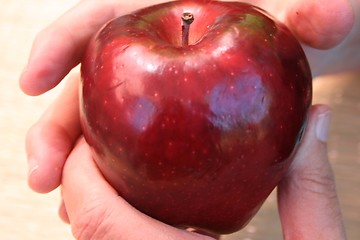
x,y
195,123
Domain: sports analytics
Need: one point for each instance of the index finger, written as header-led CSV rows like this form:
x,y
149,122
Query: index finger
x,y
59,47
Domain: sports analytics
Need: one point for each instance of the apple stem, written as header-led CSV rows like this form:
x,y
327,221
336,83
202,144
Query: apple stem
x,y
187,19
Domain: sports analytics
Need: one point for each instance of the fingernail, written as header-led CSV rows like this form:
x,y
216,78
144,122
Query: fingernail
x,y
33,166
322,126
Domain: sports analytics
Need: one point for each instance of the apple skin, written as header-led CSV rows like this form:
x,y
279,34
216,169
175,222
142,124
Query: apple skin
x,y
195,136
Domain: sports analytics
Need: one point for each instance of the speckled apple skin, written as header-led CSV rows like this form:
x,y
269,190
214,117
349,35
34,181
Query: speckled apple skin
x,y
195,136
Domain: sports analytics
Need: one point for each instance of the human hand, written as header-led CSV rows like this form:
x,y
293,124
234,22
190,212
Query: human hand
x,y
57,131
52,138
307,198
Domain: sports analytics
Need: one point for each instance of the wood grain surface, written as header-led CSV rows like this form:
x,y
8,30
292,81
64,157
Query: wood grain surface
x,y
28,215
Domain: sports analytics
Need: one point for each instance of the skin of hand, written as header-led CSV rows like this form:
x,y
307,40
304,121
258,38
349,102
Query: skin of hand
x,y
56,137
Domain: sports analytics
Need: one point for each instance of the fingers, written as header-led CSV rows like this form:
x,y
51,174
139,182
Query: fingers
x,y
58,48
308,203
320,24
50,140
96,211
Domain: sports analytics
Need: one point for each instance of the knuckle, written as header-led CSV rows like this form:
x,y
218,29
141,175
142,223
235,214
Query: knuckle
x,y
39,38
317,181
32,133
44,38
92,223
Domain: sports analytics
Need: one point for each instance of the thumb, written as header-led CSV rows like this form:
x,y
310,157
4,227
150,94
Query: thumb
x,y
308,204
95,210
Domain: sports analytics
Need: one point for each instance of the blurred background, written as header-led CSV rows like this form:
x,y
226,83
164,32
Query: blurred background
x,y
27,215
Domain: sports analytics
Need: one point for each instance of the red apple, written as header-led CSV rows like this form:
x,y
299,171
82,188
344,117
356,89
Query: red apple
x,y
195,134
